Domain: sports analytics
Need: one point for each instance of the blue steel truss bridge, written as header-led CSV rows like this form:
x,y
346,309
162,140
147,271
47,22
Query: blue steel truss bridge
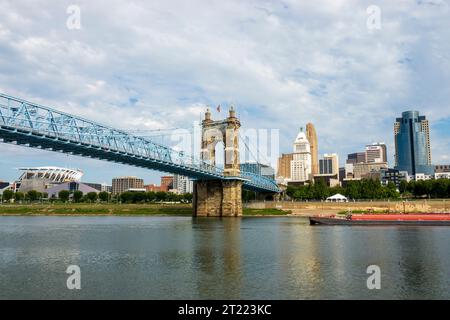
x,y
29,124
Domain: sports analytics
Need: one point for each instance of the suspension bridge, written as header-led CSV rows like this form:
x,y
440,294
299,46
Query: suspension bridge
x,y
33,125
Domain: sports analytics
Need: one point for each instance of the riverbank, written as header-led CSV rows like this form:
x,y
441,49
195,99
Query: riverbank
x,y
84,209
330,208
250,209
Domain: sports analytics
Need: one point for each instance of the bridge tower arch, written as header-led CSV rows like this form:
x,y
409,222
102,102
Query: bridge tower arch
x,y
217,198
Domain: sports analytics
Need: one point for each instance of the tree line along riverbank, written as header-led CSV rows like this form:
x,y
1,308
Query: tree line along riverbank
x,y
370,189
148,209
78,196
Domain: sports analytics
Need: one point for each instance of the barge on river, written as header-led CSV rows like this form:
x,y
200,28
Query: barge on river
x,y
426,219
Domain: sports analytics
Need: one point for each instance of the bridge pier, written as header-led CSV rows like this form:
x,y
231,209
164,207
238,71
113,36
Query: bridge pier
x,y
218,198
221,197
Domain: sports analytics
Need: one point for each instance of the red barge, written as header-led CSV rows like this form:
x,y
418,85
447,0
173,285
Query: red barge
x,y
426,219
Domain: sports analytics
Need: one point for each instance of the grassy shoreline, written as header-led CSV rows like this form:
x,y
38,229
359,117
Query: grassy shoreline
x,y
82,209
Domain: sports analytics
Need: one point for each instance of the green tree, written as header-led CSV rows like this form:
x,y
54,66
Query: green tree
x,y
188,197
290,190
448,189
170,196
19,196
403,186
126,197
411,186
114,197
320,190
299,194
32,195
92,196
429,187
161,196
352,190
8,195
139,197
422,188
302,193
439,188
103,196
77,195
64,195
173,197
391,191
336,190
368,190
150,196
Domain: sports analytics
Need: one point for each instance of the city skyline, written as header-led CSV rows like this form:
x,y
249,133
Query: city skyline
x,y
344,78
157,175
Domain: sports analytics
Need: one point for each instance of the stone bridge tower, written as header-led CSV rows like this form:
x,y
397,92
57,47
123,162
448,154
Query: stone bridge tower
x,y
217,198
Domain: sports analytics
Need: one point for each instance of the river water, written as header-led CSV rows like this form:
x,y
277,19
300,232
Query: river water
x,y
248,258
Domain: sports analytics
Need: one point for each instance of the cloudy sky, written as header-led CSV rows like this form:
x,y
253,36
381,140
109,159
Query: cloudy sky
x,y
156,64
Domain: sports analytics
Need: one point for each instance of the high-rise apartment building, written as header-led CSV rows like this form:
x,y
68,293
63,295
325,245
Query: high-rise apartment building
x,y
376,152
412,144
182,184
301,162
311,135
123,184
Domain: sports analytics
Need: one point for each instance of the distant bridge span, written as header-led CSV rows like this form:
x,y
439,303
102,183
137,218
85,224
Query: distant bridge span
x,y
33,125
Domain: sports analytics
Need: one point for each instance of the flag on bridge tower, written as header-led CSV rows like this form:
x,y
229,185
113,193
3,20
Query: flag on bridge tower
x,y
218,108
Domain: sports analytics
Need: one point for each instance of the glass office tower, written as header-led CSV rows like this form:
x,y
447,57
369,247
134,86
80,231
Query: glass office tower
x,y
412,144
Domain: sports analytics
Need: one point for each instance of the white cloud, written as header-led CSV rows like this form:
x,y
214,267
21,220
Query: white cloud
x,y
155,65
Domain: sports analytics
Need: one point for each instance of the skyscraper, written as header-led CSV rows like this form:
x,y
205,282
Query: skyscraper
x,y
301,162
412,144
311,135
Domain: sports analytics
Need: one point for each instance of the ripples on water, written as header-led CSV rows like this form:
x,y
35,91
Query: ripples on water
x,y
249,258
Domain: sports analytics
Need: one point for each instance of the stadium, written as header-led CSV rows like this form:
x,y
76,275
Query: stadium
x,y
43,178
